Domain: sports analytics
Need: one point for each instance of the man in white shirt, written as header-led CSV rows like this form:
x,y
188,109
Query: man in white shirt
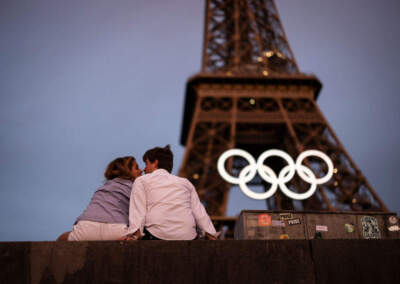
x,y
164,206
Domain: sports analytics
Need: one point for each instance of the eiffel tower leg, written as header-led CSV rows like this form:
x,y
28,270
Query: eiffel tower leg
x,y
348,189
208,138
350,181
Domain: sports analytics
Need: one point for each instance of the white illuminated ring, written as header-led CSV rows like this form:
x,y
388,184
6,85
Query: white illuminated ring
x,y
246,190
320,155
266,173
281,154
295,195
236,152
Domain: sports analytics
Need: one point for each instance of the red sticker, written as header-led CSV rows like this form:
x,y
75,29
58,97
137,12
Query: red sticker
x,y
264,220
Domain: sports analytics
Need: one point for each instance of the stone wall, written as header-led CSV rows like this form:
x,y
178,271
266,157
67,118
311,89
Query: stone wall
x,y
256,261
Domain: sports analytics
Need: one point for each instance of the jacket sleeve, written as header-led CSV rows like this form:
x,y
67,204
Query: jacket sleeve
x,y
137,207
203,221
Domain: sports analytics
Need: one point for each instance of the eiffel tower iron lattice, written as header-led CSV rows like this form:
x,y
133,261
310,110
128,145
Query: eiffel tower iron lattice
x,y
251,95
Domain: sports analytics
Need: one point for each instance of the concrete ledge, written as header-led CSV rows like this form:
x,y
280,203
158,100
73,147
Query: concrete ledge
x,y
249,261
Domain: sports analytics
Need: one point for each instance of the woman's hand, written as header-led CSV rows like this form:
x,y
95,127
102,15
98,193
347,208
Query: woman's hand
x,y
129,238
132,237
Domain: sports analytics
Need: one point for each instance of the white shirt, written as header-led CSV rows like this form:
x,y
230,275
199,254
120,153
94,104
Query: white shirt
x,y
168,206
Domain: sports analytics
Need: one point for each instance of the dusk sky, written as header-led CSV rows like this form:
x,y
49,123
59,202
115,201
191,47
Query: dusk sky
x,y
83,82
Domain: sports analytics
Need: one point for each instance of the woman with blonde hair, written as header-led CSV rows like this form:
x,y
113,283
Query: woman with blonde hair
x,y
106,217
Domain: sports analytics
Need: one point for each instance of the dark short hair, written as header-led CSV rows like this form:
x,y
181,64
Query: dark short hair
x,y
120,167
163,155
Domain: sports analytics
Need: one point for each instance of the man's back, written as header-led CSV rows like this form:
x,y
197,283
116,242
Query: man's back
x,y
168,207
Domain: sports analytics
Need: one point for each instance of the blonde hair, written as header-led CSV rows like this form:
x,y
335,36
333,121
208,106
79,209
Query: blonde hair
x,y
120,167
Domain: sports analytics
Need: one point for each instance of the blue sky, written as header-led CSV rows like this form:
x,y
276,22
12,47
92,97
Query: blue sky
x,y
82,82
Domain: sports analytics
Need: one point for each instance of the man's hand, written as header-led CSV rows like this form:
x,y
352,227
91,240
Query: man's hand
x,y
210,237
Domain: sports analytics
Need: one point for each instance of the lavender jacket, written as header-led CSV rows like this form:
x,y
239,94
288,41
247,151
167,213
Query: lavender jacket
x,y
110,203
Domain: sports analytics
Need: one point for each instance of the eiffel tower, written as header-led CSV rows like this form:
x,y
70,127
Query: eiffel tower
x,y
251,95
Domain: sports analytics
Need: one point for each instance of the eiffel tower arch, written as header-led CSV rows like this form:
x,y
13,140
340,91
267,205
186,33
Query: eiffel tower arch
x,y
250,94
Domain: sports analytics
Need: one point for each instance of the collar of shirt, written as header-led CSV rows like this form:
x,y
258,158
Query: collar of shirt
x,y
160,172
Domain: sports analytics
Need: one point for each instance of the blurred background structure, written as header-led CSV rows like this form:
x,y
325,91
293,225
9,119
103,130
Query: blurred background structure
x,y
251,95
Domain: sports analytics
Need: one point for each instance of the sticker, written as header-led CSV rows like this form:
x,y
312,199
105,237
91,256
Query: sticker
x,y
321,228
318,235
284,237
394,228
286,216
264,220
349,228
294,222
370,227
393,220
278,223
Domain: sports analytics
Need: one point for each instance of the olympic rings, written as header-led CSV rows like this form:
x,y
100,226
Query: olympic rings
x,y
267,174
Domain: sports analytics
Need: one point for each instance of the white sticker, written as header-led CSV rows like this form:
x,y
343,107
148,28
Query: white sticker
x,y
278,223
286,216
370,228
294,221
394,228
321,228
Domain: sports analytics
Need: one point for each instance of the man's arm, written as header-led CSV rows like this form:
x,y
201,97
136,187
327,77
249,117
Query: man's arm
x,y
203,221
137,209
